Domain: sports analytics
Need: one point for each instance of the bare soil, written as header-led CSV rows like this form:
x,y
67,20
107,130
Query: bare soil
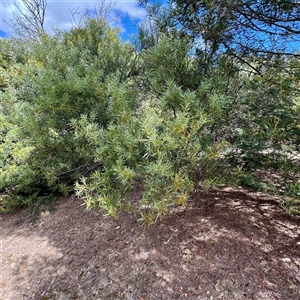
x,y
230,244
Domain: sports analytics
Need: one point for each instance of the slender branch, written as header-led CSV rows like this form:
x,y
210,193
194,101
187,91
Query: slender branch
x,y
28,24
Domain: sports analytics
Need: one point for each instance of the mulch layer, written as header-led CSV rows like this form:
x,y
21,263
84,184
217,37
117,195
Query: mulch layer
x,y
229,244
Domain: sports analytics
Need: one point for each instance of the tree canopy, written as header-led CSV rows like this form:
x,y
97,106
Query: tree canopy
x,y
238,28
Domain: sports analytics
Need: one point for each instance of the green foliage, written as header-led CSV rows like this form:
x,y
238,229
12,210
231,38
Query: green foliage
x,y
169,60
238,27
82,108
250,181
30,196
14,150
167,153
165,145
268,121
5,53
67,76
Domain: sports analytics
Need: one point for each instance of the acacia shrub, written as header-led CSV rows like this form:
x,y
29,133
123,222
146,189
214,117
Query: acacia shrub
x,y
63,78
164,145
266,128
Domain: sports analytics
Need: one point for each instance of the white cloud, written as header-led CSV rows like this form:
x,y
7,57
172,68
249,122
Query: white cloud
x,y
131,8
58,13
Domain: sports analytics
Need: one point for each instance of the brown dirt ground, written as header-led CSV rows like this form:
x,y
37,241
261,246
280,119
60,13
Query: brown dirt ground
x,y
230,244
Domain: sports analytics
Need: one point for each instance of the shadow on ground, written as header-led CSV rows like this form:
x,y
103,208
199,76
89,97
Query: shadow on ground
x,y
228,245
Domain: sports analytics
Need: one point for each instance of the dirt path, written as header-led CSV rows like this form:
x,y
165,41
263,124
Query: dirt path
x,y
229,245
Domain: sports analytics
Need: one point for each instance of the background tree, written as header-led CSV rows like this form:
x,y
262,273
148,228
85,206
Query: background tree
x,y
246,51
239,28
29,21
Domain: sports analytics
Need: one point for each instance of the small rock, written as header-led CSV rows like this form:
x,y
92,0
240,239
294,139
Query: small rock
x,y
45,214
286,259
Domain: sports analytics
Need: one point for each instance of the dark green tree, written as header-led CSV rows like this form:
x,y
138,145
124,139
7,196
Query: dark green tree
x,y
239,28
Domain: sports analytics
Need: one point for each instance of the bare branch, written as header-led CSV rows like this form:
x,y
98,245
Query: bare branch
x,y
102,10
28,24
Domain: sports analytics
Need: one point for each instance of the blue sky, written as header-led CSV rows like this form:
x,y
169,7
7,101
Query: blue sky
x,y
58,14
